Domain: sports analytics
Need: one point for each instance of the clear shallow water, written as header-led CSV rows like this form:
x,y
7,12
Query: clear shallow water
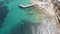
x,y
14,16
22,21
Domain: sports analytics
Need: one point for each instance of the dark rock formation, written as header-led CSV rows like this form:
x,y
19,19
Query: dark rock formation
x,y
3,13
1,3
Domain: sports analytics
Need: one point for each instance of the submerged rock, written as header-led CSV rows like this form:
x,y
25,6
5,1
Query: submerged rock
x,y
3,14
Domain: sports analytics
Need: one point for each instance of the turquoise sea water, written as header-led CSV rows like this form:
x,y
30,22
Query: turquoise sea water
x,y
13,15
